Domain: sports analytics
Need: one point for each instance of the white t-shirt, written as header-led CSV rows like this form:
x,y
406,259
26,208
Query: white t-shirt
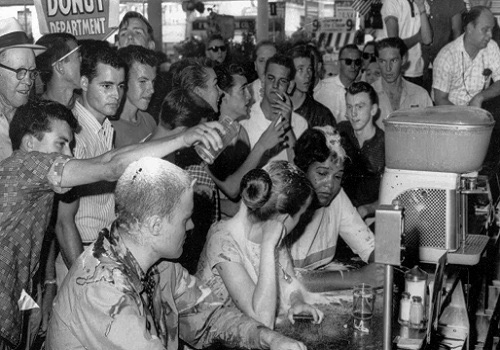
x,y
257,124
331,92
409,25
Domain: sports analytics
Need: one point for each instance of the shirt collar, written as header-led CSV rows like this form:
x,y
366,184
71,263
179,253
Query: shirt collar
x,y
89,121
109,244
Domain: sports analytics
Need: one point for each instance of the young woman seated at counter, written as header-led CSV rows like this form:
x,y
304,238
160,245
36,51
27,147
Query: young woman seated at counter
x,y
319,153
244,262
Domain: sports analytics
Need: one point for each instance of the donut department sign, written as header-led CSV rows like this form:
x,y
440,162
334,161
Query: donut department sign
x,y
85,19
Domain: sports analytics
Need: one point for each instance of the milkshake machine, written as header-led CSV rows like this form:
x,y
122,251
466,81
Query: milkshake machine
x,y
433,156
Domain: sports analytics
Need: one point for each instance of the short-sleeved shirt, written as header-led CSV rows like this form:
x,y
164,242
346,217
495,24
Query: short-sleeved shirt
x,y
331,93
315,113
456,74
131,133
28,182
408,16
365,166
412,96
225,244
316,246
257,124
97,202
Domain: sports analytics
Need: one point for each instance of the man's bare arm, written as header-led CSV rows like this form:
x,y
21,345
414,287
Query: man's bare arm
x,y
110,165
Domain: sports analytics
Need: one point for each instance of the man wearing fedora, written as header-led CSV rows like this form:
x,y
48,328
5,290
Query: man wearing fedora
x,y
17,74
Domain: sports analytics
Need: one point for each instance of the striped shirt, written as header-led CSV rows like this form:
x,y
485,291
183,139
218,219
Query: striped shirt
x,y
97,202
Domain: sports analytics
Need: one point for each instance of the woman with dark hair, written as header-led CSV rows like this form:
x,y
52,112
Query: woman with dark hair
x,y
320,155
244,262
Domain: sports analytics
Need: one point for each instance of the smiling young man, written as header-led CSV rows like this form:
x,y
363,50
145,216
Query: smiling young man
x,y
134,123
276,104
303,103
42,134
364,145
395,92
331,91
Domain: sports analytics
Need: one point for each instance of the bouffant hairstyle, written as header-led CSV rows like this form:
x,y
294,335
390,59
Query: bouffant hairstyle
x,y
316,145
278,188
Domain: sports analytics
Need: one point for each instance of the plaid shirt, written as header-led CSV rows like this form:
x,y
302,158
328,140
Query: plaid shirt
x,y
27,182
462,78
202,178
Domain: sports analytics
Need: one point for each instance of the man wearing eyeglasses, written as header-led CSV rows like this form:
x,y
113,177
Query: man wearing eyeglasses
x,y
216,49
331,91
395,92
17,74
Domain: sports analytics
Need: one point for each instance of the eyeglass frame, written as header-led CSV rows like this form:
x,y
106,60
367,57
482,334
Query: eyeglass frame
x,y
357,61
33,72
214,48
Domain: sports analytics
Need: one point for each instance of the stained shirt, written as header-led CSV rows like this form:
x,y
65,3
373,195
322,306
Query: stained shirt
x,y
27,182
364,167
97,202
317,244
228,244
315,113
102,304
461,77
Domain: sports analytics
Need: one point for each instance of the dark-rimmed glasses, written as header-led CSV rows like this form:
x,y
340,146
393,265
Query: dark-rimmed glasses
x,y
349,61
21,72
217,48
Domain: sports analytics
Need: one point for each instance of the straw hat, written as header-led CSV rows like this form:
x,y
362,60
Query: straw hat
x,y
13,36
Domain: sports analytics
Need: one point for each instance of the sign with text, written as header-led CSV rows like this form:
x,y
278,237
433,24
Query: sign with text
x,y
345,19
85,19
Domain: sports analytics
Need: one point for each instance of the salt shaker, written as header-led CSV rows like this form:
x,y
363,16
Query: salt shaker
x,y
416,312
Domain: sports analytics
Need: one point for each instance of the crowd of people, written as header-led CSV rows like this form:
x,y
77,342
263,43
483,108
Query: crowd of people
x,y
114,233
